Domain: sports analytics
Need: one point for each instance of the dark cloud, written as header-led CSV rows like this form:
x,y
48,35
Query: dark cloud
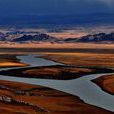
x,y
55,6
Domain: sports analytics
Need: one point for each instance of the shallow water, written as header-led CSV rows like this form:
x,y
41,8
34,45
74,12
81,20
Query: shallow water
x,y
34,61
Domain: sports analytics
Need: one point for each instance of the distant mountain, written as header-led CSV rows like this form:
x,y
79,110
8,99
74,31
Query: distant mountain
x,y
2,36
101,37
97,38
39,37
46,38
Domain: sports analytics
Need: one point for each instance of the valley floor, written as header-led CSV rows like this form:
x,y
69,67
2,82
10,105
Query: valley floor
x,y
44,45
21,98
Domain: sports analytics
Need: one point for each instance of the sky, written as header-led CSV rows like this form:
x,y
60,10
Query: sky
x,y
47,7
35,12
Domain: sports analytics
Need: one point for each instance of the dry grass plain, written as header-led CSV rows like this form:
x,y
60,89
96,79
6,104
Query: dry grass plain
x,y
83,59
20,98
10,61
47,45
55,72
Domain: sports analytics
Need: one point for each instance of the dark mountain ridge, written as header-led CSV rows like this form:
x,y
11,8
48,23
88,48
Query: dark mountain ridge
x,y
100,37
41,37
97,37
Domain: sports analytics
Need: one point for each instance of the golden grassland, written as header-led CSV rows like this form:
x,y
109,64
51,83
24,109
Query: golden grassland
x,y
106,83
10,61
20,98
56,45
83,59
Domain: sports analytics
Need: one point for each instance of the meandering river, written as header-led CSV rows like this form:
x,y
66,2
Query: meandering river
x,y
82,87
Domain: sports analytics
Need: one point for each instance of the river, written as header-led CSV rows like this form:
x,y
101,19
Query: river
x,y
82,87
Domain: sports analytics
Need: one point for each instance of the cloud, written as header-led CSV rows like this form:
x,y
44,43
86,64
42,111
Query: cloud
x,y
109,3
55,6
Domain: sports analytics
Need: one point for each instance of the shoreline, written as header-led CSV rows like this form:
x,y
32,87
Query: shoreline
x,y
11,61
55,72
81,60
57,97
105,79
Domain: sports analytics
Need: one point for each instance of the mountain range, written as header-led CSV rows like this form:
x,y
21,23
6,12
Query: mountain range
x,y
100,37
41,37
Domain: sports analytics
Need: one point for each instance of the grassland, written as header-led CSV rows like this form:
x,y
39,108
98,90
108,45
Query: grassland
x,y
58,72
91,59
20,98
48,45
10,61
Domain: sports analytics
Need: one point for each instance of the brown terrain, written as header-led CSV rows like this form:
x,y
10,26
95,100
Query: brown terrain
x,y
10,61
20,98
44,45
99,60
58,72
106,83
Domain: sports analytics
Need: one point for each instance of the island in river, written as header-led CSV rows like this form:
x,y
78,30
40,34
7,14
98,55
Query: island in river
x,y
106,83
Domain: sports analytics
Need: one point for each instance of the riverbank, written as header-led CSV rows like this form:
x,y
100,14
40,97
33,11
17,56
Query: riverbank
x,y
10,61
83,59
106,83
21,98
57,72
